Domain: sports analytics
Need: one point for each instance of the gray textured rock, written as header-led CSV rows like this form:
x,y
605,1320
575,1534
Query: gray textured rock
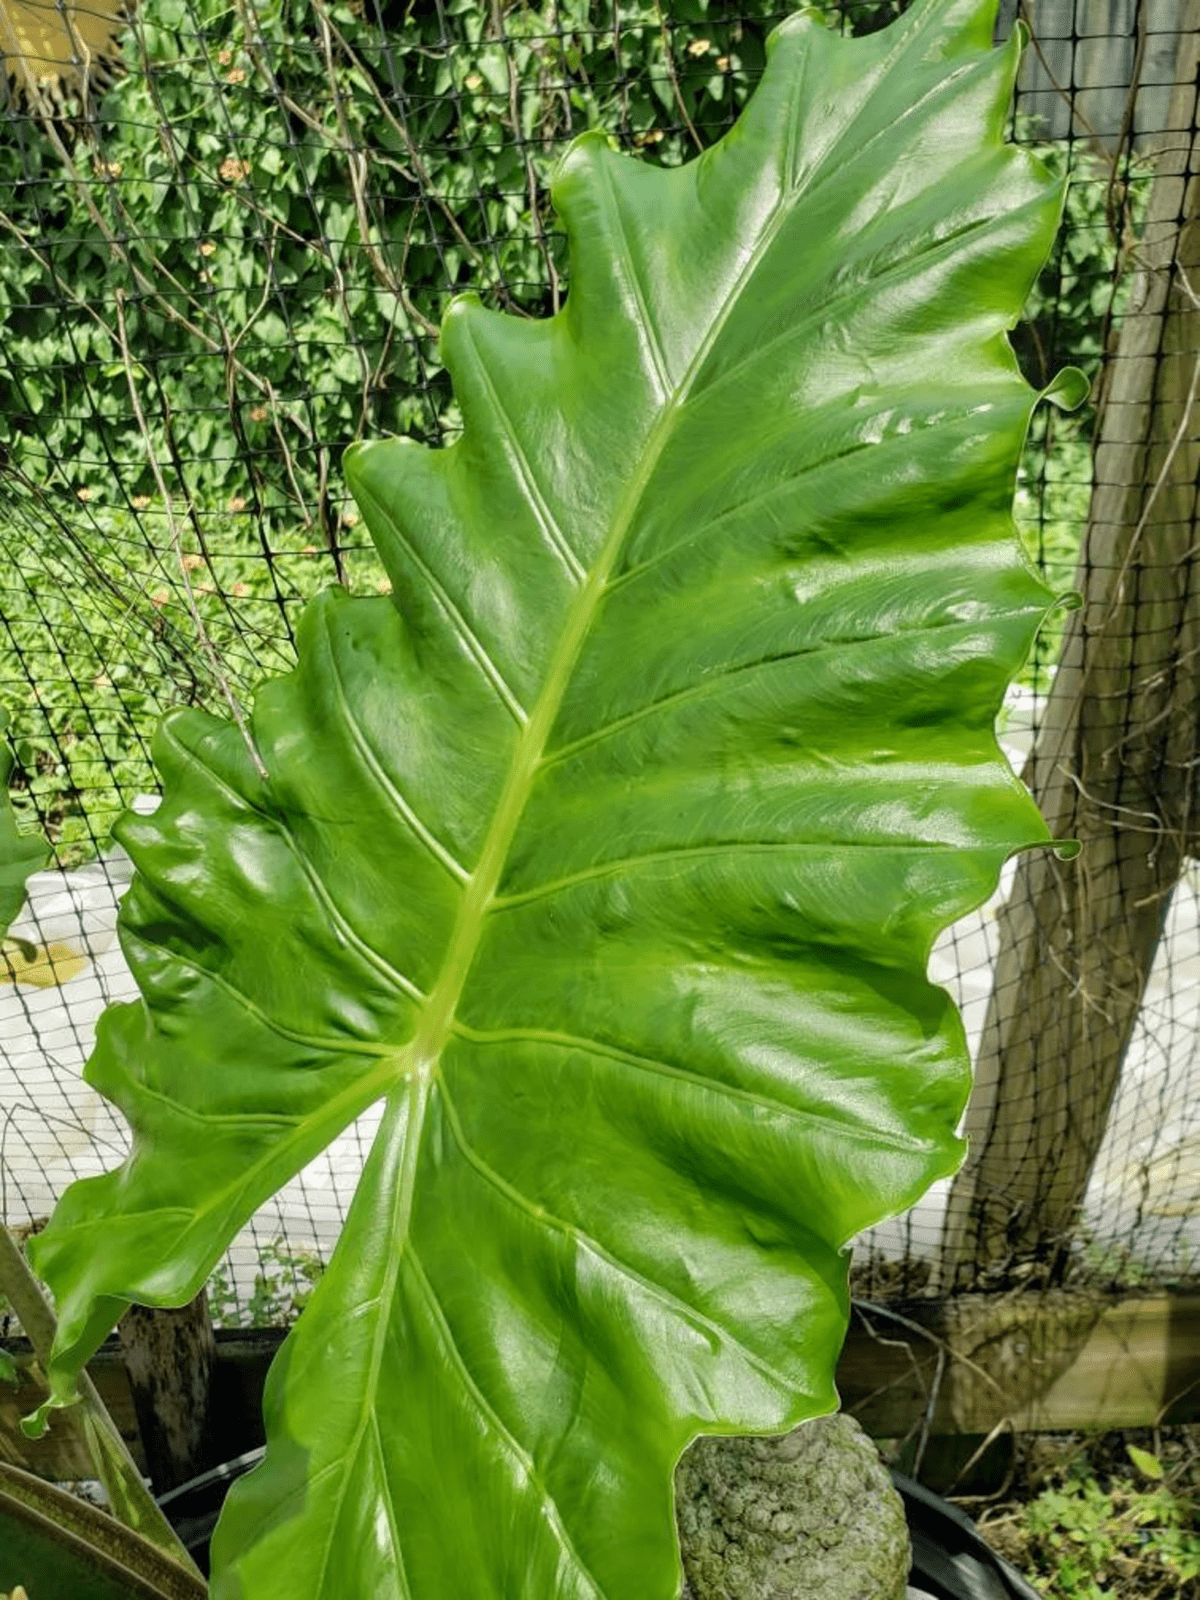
x,y
808,1516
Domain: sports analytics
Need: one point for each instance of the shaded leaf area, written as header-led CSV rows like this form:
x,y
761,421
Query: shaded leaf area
x,y
609,849
54,1543
21,854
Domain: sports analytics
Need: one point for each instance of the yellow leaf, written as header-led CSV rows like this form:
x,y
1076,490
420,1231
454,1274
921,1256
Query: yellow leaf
x,y
42,966
1147,1464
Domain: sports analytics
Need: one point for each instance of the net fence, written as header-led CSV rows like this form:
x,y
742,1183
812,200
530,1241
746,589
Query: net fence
x,y
228,232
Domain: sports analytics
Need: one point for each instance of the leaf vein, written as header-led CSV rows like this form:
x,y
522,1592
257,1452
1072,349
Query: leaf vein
x,y
827,169
293,1035
459,623
846,296
729,847
489,1414
389,1508
416,1092
716,681
586,1241
310,873
652,343
668,1069
759,498
544,517
376,768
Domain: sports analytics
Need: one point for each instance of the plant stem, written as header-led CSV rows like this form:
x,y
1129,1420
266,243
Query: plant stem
x,y
130,1500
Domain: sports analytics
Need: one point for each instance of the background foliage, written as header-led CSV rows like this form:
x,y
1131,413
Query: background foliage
x,y
233,263
1106,1516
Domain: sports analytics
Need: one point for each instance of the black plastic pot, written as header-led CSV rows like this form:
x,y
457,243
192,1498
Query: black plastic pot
x,y
193,1508
950,1559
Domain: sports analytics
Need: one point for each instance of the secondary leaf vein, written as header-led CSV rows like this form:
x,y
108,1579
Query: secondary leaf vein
x,y
595,1047
492,1418
458,622
588,1242
377,770
718,681
243,1001
313,878
546,521
728,847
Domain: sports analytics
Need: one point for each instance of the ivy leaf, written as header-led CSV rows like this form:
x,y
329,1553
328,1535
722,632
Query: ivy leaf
x,y
607,852
21,854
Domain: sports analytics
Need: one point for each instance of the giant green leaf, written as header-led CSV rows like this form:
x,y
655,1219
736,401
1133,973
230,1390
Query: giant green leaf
x,y
21,854
608,851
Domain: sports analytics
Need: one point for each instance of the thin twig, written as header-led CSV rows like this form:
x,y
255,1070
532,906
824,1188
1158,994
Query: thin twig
x,y
1005,1425
933,1338
531,181
669,58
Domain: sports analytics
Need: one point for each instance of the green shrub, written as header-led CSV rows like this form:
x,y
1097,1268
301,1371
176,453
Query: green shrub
x,y
1131,1533
283,1285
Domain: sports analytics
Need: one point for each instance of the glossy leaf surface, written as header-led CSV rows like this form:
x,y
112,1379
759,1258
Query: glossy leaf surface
x,y
609,849
21,854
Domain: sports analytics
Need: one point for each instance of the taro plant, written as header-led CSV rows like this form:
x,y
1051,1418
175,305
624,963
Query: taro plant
x,y
607,851
47,1538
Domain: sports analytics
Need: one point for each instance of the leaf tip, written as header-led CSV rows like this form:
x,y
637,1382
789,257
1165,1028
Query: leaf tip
x,y
803,21
461,307
581,150
35,1424
351,455
1067,390
1069,600
362,461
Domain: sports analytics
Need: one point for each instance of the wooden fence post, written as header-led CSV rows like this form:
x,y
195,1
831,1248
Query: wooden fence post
x,y
169,1357
1113,766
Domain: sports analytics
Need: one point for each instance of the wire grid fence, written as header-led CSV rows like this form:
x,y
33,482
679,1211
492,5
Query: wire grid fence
x,y
228,230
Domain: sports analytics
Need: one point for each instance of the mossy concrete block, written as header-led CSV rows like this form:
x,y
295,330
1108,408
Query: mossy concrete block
x,y
811,1515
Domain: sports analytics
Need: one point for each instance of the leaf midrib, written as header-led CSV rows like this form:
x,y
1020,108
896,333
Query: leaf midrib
x,y
438,1013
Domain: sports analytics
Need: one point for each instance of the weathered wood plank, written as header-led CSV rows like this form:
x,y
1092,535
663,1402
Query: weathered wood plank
x,y
169,1358
1042,1361
1050,1360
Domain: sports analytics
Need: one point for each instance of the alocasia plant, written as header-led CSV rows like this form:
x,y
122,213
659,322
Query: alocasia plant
x,y
21,854
39,1549
608,850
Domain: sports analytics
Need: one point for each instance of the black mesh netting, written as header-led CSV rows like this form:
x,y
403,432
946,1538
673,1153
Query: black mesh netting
x,y
227,235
